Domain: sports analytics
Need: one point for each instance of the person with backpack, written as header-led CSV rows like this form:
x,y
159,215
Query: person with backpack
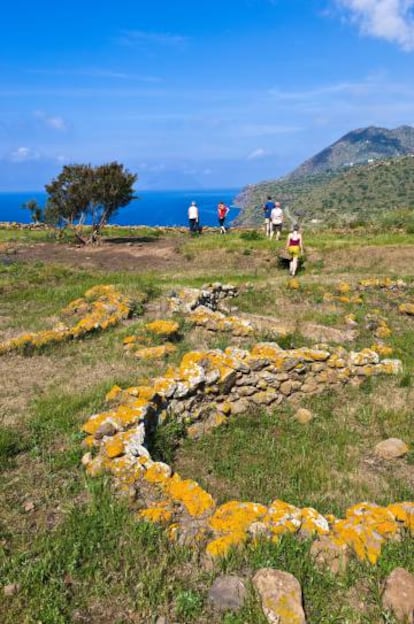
x,y
267,209
222,212
276,220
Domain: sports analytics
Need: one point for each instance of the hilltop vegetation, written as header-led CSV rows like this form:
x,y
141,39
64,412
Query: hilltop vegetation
x,y
379,192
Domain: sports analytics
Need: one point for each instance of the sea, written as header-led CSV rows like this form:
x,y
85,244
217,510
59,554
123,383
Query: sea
x,y
151,208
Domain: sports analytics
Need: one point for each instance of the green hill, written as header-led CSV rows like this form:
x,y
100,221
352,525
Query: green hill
x,y
366,175
361,193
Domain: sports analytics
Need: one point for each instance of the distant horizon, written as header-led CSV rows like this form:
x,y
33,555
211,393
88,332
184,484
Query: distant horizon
x,y
145,190
241,96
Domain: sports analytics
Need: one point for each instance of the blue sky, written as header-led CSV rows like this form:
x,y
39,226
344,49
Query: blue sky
x,y
196,94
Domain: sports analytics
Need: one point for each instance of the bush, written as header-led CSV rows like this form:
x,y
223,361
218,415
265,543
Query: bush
x,y
251,235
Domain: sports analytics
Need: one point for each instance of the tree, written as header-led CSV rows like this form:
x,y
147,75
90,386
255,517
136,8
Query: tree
x,y
36,211
70,195
82,190
113,189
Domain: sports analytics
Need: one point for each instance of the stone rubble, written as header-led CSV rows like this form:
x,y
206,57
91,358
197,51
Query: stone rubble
x,y
210,296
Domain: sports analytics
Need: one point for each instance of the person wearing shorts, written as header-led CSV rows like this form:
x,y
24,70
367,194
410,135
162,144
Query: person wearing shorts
x,y
276,219
294,246
222,212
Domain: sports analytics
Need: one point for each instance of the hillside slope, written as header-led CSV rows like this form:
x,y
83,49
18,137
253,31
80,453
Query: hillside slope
x,y
364,192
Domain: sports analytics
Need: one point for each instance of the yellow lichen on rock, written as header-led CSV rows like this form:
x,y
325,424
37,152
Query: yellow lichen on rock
x,y
381,349
407,308
162,328
343,288
158,472
188,492
220,546
155,353
101,307
235,516
159,513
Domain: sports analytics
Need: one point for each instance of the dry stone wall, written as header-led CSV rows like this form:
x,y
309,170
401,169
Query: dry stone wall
x,y
203,391
100,308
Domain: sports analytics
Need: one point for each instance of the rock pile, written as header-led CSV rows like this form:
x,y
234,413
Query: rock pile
x,y
210,296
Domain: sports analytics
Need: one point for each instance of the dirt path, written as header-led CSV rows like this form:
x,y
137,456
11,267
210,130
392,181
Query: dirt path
x,y
130,255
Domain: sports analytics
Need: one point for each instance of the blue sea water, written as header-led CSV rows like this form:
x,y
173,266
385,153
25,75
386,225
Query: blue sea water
x,y
151,207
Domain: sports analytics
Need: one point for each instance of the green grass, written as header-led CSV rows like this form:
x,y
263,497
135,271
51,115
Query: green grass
x,y
80,555
319,465
11,444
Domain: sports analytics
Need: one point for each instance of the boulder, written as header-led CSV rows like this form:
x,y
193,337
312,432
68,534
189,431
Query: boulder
x,y
303,416
227,593
281,596
392,448
398,595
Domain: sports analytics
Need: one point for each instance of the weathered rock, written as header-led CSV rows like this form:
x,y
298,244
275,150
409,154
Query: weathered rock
x,y
239,407
303,415
392,448
407,308
327,554
286,387
281,596
11,589
106,429
86,459
227,593
398,595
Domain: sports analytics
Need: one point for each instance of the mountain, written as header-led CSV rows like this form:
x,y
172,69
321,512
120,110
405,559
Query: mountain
x,y
364,174
359,146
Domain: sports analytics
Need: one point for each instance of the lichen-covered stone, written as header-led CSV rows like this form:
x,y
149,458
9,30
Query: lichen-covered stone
x,y
281,596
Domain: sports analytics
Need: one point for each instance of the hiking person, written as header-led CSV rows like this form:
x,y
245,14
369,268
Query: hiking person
x,y
267,209
222,212
276,220
193,218
294,246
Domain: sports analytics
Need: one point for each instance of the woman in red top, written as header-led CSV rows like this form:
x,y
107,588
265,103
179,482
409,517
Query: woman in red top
x,y
222,212
294,245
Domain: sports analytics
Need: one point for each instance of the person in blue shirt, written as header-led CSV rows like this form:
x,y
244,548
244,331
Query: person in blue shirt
x,y
267,209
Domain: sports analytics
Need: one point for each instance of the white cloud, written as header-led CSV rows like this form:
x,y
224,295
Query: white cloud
x,y
257,153
23,154
392,20
54,122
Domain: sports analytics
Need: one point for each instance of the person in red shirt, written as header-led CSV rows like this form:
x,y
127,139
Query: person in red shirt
x,y
222,212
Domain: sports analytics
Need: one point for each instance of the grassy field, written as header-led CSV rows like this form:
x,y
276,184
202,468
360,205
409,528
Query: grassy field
x,y
75,549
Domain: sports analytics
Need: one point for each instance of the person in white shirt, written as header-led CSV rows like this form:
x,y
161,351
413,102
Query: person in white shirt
x,y
276,219
193,218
